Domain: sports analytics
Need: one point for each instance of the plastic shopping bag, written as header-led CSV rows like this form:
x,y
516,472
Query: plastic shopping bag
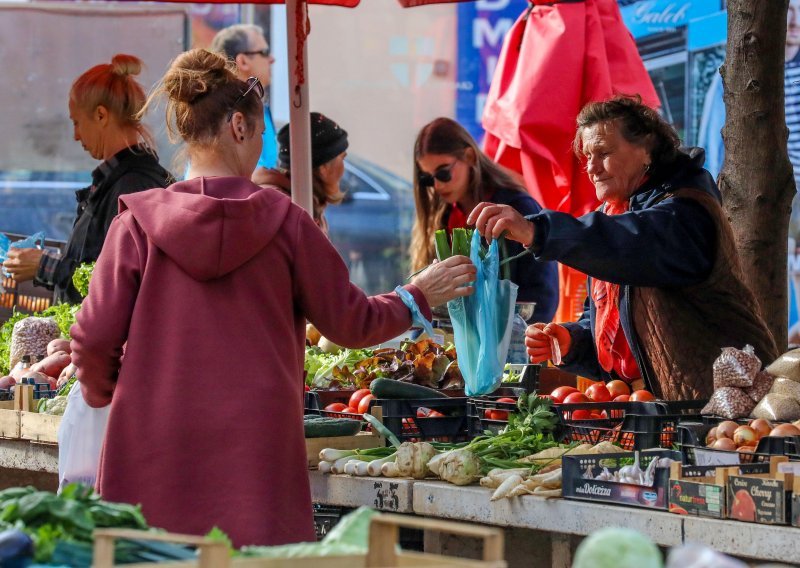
x,y
80,439
34,241
482,322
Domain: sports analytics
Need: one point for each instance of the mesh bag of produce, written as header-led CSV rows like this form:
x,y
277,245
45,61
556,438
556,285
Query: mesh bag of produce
x,y
736,367
761,385
30,337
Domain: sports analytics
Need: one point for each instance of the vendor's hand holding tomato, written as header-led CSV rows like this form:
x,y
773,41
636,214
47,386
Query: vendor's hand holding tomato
x,y
540,346
446,280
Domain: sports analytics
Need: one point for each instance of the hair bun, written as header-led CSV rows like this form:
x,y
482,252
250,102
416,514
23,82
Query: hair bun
x,y
123,64
195,73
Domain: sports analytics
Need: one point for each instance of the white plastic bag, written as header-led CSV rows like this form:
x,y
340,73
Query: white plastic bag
x,y
80,439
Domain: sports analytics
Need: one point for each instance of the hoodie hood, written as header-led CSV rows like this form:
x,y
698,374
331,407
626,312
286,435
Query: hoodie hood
x,y
209,226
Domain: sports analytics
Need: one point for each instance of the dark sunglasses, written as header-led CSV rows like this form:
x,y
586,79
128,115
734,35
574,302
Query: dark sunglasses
x,y
263,52
443,174
253,84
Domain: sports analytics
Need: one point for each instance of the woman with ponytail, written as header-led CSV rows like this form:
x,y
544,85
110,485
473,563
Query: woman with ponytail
x,y
105,105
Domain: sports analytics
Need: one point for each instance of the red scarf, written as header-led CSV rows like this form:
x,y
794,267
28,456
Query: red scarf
x,y
613,351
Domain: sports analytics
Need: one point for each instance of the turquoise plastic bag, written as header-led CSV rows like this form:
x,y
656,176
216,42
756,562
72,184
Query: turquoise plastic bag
x,y
482,322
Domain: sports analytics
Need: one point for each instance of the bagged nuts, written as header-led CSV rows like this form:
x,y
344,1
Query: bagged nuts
x,y
730,403
736,368
777,407
30,337
761,386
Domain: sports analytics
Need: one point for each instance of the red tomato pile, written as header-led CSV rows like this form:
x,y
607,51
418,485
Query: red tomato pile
x,y
614,391
496,413
358,403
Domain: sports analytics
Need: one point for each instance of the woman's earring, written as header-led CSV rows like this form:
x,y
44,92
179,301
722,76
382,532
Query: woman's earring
x,y
241,138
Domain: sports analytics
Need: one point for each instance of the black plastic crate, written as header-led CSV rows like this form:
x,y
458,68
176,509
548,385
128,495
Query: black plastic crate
x,y
692,436
316,401
326,517
529,378
486,414
404,419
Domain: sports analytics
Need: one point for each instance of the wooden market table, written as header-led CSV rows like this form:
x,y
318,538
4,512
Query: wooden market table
x,y
550,529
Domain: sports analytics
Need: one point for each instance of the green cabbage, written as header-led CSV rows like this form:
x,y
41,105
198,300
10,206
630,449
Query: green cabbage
x,y
616,547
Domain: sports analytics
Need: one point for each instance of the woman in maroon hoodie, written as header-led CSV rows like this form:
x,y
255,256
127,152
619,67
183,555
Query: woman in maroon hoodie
x,y
210,283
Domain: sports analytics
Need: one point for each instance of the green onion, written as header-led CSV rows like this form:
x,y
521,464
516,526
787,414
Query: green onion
x,y
443,250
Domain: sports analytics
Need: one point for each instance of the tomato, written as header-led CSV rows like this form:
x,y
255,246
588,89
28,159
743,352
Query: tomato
x,y
580,415
576,398
642,396
363,404
305,388
336,407
618,388
598,393
596,415
424,412
356,397
498,415
487,413
351,410
507,399
561,393
622,398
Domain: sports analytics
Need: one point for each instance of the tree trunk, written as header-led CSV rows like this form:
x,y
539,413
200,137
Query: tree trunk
x,y
756,179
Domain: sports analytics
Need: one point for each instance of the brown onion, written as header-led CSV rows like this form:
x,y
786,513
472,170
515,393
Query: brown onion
x,y
745,436
782,430
726,429
711,437
725,444
762,427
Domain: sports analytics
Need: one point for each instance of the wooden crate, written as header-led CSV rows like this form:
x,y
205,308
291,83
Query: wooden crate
x,y
360,441
383,552
9,423
39,427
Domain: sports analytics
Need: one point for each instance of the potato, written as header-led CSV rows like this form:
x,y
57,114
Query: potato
x,y
52,365
58,345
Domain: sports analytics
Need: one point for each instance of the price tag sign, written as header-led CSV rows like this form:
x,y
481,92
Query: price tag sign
x,y
715,457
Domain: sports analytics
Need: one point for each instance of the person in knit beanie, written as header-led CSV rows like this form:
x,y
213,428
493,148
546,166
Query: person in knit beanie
x,y
328,150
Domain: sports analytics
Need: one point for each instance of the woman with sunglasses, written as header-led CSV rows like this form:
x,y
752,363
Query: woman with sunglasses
x,y
451,176
208,285
104,105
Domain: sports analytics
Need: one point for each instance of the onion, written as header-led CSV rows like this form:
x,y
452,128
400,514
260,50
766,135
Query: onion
x,y
762,427
725,444
782,430
745,436
711,437
726,429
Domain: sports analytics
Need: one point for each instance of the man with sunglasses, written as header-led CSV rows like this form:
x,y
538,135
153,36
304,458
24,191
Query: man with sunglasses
x,y
245,45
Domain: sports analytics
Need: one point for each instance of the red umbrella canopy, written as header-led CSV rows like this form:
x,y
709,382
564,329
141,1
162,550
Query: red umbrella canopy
x,y
344,3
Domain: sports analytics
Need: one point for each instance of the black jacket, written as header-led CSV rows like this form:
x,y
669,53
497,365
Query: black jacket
x,y
661,242
537,279
128,171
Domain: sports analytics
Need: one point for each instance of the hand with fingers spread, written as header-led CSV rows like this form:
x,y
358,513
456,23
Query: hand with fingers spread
x,y
492,220
539,342
446,280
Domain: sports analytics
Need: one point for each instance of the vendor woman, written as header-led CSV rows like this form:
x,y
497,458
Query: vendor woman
x,y
666,286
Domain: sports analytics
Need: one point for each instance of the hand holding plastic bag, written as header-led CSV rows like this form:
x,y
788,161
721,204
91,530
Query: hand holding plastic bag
x,y
482,322
34,241
80,439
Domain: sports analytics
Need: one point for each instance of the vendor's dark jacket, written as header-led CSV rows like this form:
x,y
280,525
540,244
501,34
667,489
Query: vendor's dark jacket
x,y
537,279
128,171
682,293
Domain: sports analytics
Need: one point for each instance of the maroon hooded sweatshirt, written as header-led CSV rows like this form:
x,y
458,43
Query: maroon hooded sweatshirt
x,y
210,283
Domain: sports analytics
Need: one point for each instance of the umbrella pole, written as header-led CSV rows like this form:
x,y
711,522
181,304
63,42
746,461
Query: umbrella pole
x,y
299,117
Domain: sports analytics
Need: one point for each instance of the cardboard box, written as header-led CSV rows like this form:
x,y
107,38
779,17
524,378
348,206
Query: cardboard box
x,y
576,485
700,490
761,497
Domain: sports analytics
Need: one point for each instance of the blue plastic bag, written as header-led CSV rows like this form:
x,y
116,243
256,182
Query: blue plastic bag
x,y
34,241
482,322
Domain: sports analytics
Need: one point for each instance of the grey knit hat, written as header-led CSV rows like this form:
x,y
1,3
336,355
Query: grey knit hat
x,y
328,140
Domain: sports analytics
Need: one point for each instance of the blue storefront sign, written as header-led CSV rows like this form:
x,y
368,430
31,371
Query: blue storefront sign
x,y
482,26
655,16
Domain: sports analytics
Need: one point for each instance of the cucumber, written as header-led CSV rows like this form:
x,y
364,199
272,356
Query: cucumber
x,y
321,427
389,388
